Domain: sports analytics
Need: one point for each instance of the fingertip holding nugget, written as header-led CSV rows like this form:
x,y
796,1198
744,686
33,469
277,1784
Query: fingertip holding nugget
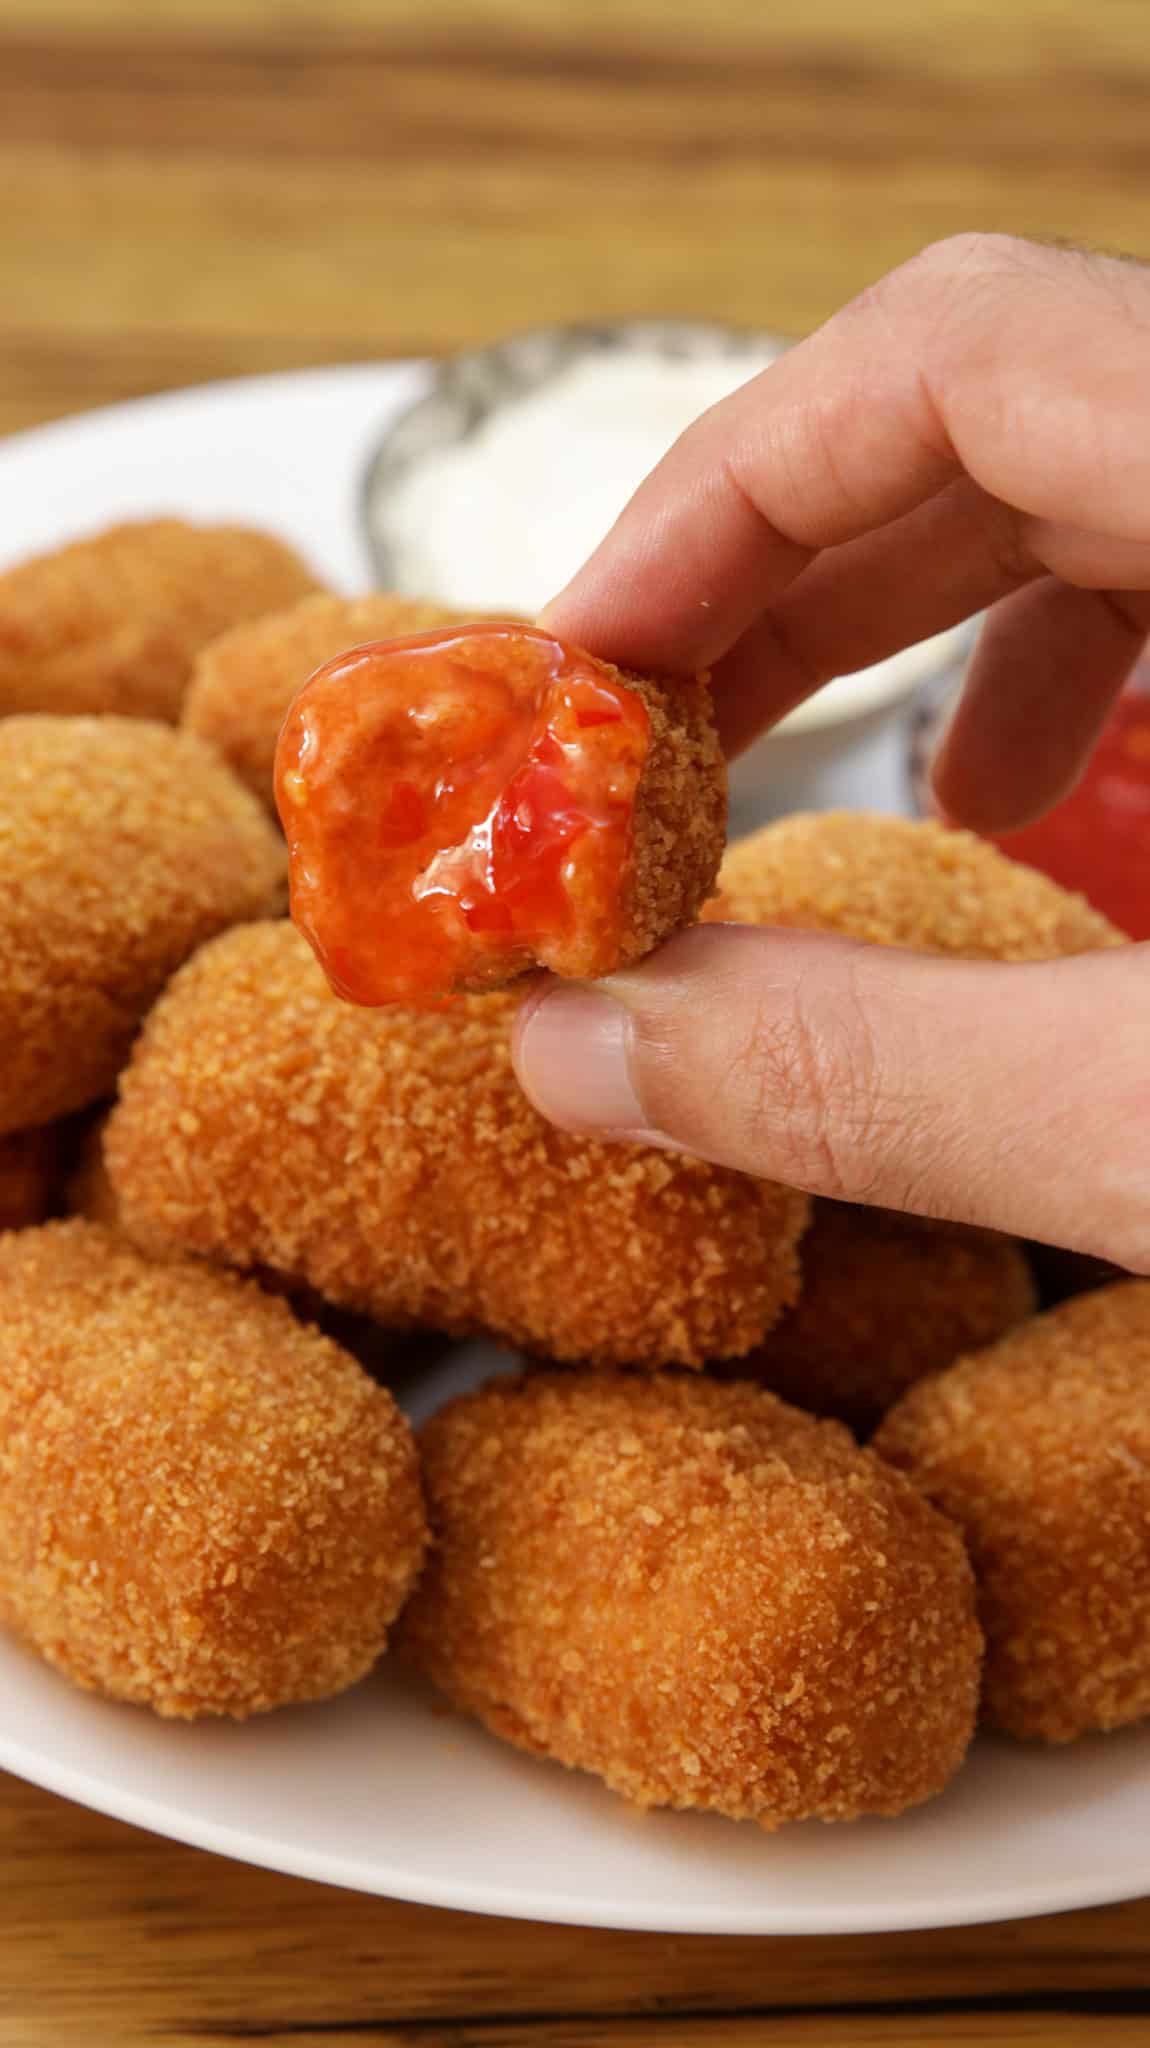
x,y
246,681
699,1594
113,622
884,1300
207,1508
390,1159
462,806
1039,1450
123,844
900,882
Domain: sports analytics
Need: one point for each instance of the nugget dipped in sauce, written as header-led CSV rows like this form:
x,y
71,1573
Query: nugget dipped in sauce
x,y
699,1594
462,806
123,844
1039,1450
390,1160
207,1507
245,683
886,1299
897,882
114,622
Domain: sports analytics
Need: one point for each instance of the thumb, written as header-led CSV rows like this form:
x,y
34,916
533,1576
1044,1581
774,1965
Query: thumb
x,y
1016,1096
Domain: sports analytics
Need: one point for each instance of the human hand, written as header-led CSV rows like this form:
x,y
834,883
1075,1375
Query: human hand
x,y
973,432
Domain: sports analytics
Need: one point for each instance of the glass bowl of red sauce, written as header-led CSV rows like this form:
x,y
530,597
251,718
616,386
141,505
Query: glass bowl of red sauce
x,y
1097,840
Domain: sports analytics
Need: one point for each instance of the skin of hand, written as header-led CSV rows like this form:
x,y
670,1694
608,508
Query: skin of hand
x,y
972,432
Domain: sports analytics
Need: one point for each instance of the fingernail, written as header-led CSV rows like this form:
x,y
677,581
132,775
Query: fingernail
x,y
573,1058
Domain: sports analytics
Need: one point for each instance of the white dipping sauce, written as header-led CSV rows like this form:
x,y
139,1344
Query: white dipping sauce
x,y
504,518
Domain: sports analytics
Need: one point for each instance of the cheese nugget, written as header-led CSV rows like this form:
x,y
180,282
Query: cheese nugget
x,y
123,844
114,622
206,1507
391,1160
1039,1449
703,1596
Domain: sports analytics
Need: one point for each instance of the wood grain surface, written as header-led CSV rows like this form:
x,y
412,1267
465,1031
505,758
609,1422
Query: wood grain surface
x,y
201,188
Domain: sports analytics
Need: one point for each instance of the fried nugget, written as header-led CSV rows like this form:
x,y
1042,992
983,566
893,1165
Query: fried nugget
x,y
391,1160
123,844
465,805
701,1595
1039,1449
114,622
207,1507
896,882
29,1176
884,1300
244,684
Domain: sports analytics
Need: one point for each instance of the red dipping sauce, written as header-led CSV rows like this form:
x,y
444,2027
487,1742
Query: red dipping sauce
x,y
458,807
1098,840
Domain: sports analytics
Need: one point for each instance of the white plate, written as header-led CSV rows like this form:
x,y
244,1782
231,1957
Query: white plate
x,y
382,1791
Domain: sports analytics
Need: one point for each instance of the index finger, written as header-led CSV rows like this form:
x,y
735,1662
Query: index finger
x,y
1021,366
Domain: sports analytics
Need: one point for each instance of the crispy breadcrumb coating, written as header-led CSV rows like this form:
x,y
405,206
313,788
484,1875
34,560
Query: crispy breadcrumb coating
x,y
114,622
29,1176
1040,1450
886,1299
206,1506
703,1596
898,882
243,685
122,845
680,824
390,1159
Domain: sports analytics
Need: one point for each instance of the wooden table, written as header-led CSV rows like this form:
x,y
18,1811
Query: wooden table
x,y
201,188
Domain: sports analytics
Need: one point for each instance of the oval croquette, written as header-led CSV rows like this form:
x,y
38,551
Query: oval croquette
x,y
703,1596
886,1299
206,1506
898,882
390,1159
123,845
113,622
1039,1449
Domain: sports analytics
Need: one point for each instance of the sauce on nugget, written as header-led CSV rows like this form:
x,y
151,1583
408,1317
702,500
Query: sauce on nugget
x,y
460,806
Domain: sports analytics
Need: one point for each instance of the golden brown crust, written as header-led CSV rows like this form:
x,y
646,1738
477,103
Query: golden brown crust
x,y
206,1506
897,882
123,845
703,1596
29,1176
244,684
1040,1450
886,1299
114,622
680,815
390,1159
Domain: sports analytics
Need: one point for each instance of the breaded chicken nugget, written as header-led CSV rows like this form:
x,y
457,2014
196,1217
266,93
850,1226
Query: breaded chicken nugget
x,y
1040,1450
696,1592
206,1506
391,1160
244,684
886,1299
462,806
896,882
114,622
29,1176
122,846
